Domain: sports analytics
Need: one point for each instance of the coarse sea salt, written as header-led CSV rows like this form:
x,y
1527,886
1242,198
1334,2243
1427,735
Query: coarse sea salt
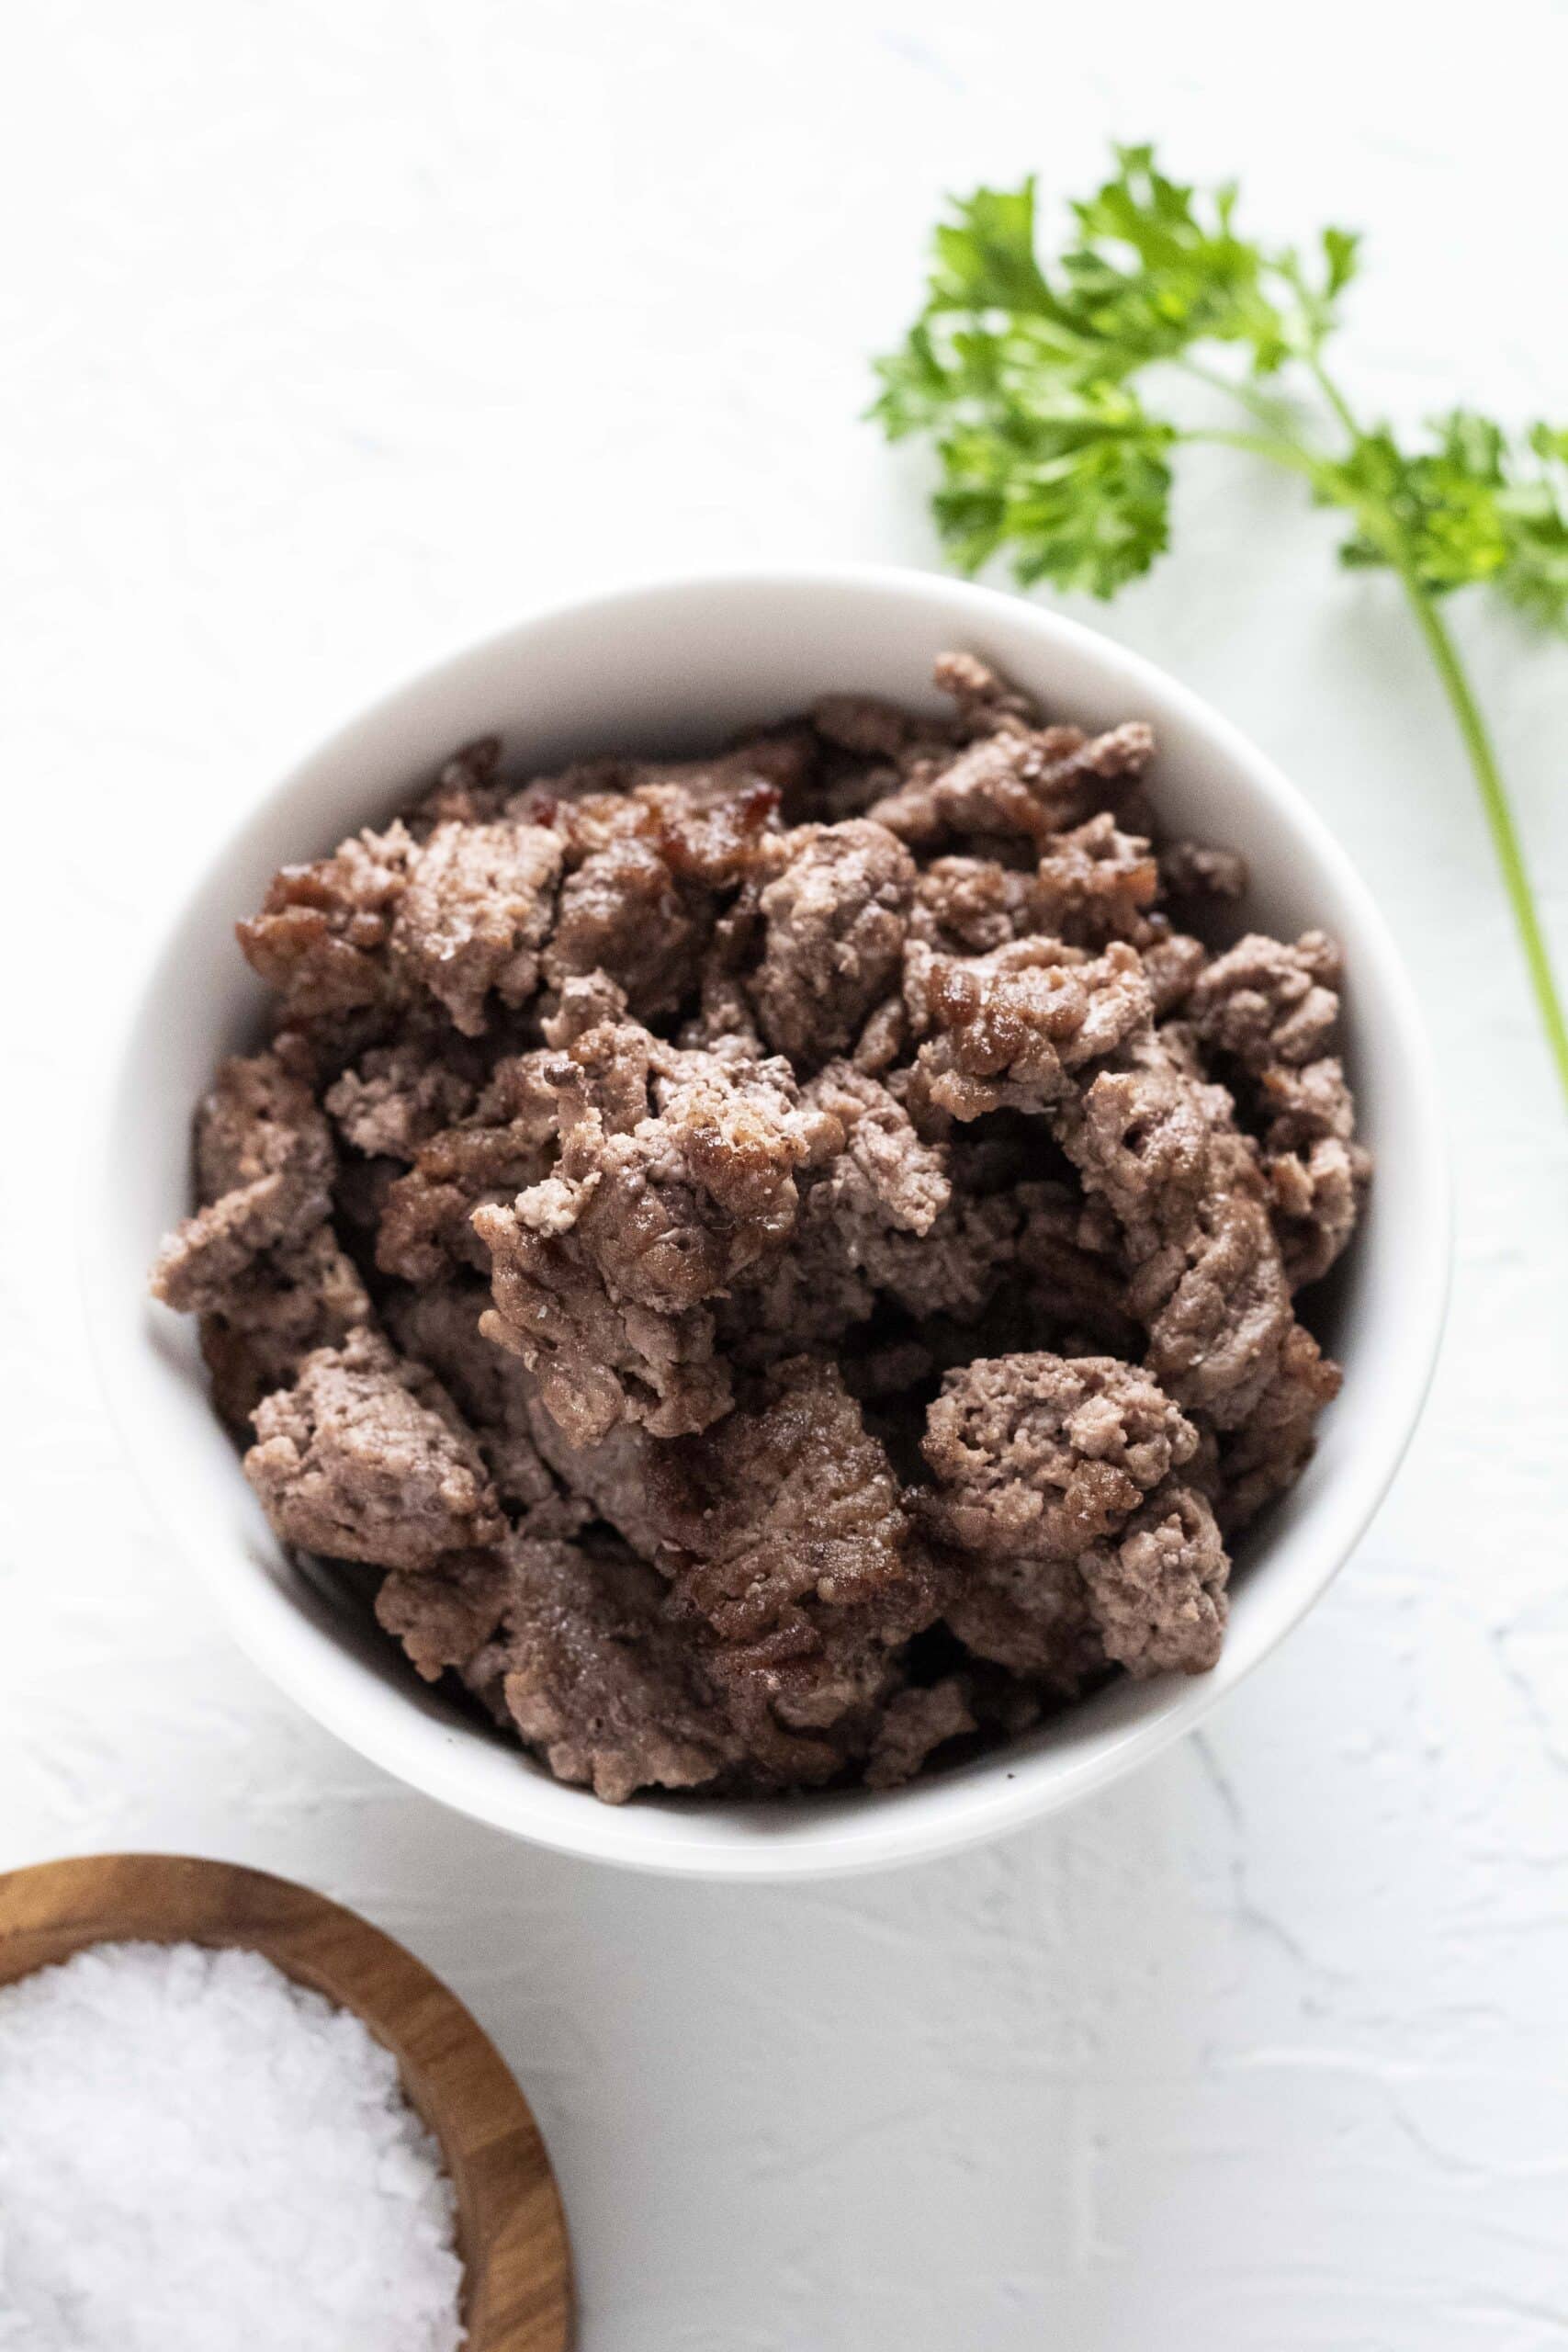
x,y
199,2155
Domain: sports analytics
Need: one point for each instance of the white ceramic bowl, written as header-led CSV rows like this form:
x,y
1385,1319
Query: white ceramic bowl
x,y
680,666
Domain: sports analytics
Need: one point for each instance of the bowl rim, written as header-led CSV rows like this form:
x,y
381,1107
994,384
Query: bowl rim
x,y
802,1837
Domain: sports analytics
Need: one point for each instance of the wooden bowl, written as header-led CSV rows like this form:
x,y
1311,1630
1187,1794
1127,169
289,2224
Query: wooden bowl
x,y
511,2230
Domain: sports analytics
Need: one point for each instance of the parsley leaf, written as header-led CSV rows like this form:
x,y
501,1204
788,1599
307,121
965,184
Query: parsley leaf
x,y
1026,373
1475,508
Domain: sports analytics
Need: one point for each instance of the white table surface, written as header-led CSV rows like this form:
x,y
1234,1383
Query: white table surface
x,y
336,336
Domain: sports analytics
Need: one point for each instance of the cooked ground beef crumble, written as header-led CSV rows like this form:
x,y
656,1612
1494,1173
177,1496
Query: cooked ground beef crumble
x,y
783,1261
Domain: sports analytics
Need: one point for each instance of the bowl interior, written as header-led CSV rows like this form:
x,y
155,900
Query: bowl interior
x,y
680,668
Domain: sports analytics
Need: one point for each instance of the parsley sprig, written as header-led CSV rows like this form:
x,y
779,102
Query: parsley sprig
x,y
1030,379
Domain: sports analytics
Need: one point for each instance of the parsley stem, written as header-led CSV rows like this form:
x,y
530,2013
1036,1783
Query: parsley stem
x,y
1385,528
1499,814
1266,410
1259,445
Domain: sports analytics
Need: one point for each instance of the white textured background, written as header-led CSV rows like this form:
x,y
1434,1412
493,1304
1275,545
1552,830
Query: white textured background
x,y
334,336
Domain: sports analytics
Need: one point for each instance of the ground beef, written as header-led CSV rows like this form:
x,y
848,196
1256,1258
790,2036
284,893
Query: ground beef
x,y
1158,1594
833,924
476,914
1190,870
323,936
1009,1028
264,1166
1017,782
593,1673
784,1260
624,913
915,1724
506,1143
1096,884
793,1558
1266,1012
439,1326
1266,1454
293,1300
1074,1279
569,1644
365,1458
1159,1146
1031,1616
395,1096
603,1269
1045,1454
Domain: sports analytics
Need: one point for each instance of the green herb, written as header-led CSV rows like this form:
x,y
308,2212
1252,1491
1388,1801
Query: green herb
x,y
1028,377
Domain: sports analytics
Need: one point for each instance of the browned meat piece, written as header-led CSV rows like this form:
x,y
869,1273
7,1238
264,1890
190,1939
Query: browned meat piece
x,y
367,1459
882,1039
985,702
833,924
967,906
884,1178
1090,886
1269,1010
569,1643
793,1556
445,1616
1305,1104
475,914
881,1216
1205,1276
1020,783
397,1096
1263,1003
917,1722
1158,1592
468,790
611,1480
624,912
705,816
597,1361
1041,1455
784,1510
507,1144
440,1326
1031,1616
323,937
264,1166
1190,870
1316,1172
1076,1282
723,1022
305,1296
425,1231
650,862
1315,1197
1009,1028
863,724
714,828
1171,966
1056,1474
593,1002
1273,1446
883,733
591,1673
807,1296
954,1267
603,1271
1096,884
